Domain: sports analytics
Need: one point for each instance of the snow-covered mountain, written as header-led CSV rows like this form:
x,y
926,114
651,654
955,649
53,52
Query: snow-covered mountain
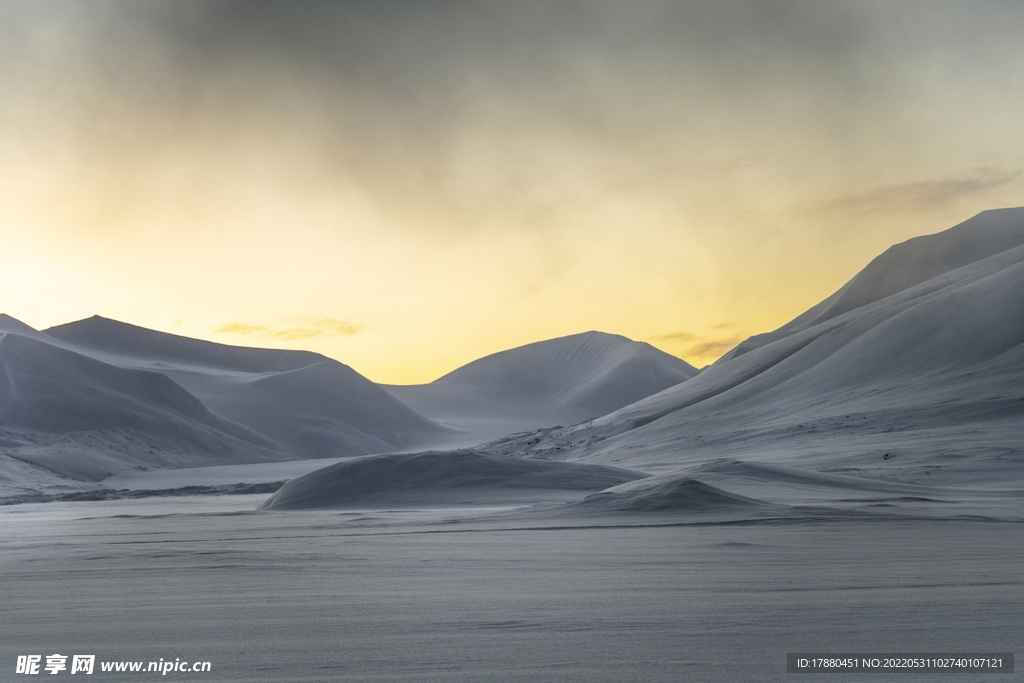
x,y
92,398
306,404
555,382
910,376
96,397
82,418
915,367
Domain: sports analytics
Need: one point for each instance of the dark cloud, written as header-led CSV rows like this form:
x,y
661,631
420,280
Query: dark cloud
x,y
584,61
389,95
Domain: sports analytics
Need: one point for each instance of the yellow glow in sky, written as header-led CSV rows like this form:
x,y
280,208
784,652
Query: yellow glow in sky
x,y
409,190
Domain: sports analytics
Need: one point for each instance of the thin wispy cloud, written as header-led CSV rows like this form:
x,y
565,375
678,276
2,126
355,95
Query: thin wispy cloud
x,y
324,327
714,348
699,349
674,337
913,197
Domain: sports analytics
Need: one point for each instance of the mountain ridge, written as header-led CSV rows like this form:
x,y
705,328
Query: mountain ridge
x,y
115,338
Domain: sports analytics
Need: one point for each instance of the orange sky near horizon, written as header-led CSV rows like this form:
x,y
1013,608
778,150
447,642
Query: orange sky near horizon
x,y
407,188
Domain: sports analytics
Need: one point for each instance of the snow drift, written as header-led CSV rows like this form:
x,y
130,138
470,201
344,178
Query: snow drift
x,y
442,478
666,493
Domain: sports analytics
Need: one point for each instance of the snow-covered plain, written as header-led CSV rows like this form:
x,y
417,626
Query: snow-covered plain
x,y
485,595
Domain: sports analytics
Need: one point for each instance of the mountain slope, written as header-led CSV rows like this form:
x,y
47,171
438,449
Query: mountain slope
x,y
925,378
555,382
15,326
321,410
85,419
907,264
90,399
305,404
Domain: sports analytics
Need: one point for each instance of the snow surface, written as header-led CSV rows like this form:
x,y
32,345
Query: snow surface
x,y
464,596
217,475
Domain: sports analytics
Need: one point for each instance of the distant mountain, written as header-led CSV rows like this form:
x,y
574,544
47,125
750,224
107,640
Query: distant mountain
x,y
85,419
317,411
306,404
915,367
96,397
556,382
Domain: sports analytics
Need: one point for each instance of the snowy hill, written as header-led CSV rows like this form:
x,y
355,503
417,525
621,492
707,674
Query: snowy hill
x,y
318,411
97,397
14,326
305,404
90,399
913,371
910,263
555,382
85,419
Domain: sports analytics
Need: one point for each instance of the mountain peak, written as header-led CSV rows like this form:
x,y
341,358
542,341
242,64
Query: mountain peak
x,y
920,259
557,381
907,264
10,324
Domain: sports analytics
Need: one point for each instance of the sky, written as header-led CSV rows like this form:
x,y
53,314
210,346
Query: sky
x,y
408,186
